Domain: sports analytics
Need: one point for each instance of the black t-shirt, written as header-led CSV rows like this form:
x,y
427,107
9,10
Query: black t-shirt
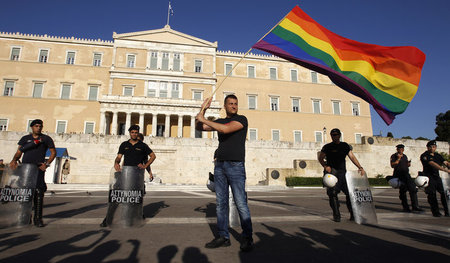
x,y
402,166
426,157
335,154
232,145
35,148
134,154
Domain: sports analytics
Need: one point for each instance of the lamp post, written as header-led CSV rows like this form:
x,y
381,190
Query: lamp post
x,y
324,134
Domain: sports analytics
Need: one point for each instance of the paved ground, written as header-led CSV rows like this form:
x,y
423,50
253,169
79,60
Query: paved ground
x,y
290,225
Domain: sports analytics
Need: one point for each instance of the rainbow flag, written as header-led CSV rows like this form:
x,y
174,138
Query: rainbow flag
x,y
385,77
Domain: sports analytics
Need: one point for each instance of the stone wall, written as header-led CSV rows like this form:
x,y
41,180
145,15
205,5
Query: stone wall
x,y
188,161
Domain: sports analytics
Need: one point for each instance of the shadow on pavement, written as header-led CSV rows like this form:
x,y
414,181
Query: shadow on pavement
x,y
48,251
74,212
190,255
210,212
151,210
7,243
310,245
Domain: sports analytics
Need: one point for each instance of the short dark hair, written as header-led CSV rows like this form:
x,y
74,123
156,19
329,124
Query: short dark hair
x,y
229,96
134,128
140,136
335,131
36,121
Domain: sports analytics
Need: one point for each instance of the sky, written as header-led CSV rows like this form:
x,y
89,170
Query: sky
x,y
238,24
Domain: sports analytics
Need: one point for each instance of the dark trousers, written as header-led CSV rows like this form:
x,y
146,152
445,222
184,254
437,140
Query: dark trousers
x,y
332,192
408,185
435,185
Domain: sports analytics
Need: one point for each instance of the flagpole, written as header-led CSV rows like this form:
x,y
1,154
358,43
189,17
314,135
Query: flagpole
x,y
168,13
229,73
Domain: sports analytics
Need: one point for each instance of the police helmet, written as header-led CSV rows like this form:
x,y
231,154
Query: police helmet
x,y
421,181
210,185
395,183
329,180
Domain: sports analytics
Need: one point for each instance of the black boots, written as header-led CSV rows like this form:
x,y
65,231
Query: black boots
x,y
432,200
334,204
444,204
38,205
405,205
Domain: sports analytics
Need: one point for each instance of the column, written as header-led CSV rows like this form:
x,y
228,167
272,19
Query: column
x,y
141,122
101,129
154,123
192,126
180,126
115,118
167,126
127,121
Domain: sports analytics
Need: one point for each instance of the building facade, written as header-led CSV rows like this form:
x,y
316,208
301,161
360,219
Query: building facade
x,y
159,79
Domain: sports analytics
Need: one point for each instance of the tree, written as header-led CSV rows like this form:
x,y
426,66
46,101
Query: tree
x,y
442,129
406,137
422,138
390,135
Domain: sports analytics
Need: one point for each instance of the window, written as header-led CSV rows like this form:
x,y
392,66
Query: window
x,y
154,60
15,53
316,106
97,59
3,124
251,71
358,137
89,127
9,88
336,107
197,94
61,126
355,108
131,60
65,91
276,135
163,89
296,105
319,136
273,73
37,90
175,90
151,91
294,75
252,102
43,55
228,68
297,136
176,62
165,61
252,134
93,93
313,77
198,65
198,134
70,58
274,103
128,91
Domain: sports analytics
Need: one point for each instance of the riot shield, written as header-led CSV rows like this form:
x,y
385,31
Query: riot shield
x,y
126,196
445,177
361,198
16,195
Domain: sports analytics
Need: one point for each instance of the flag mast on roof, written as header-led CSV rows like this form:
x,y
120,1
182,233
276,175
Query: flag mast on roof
x,y
169,13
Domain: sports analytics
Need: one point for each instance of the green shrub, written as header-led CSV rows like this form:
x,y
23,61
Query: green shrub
x,y
317,181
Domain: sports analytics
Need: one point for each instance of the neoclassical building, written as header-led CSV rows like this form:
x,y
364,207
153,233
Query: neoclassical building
x,y
158,79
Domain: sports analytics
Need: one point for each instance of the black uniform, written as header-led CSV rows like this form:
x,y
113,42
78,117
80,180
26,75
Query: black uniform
x,y
34,150
401,171
435,182
335,158
133,156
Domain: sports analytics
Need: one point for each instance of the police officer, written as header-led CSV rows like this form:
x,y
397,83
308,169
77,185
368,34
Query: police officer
x,y
335,153
135,153
34,147
400,163
433,162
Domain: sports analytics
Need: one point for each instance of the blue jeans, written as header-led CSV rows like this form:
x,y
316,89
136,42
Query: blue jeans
x,y
227,173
